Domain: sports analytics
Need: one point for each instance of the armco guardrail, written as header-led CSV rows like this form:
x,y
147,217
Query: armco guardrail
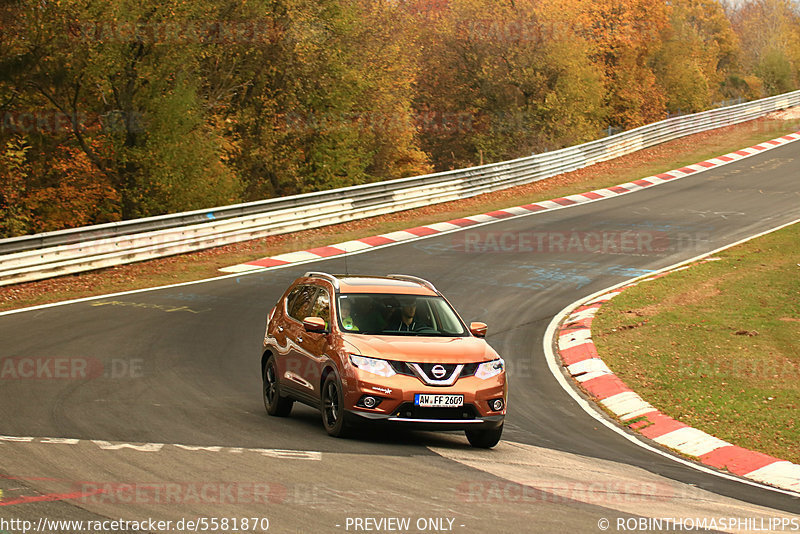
x,y
51,254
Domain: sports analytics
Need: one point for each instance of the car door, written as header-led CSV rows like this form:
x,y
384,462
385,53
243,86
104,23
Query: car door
x,y
292,370
314,345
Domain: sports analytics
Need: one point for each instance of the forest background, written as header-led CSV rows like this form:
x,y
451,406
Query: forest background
x,y
118,109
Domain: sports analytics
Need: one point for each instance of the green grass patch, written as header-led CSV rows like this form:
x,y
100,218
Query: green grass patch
x,y
717,345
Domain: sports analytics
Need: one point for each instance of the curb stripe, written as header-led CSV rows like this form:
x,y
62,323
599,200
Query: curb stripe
x,y
267,262
655,424
420,231
578,354
533,207
691,441
325,252
375,241
580,357
605,386
462,222
627,405
738,460
500,214
785,474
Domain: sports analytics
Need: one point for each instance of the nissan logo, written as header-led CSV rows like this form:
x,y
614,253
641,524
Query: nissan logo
x,y
439,371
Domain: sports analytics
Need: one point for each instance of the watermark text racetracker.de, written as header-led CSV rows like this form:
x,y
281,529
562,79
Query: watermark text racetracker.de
x,y
55,122
207,492
600,492
627,242
69,368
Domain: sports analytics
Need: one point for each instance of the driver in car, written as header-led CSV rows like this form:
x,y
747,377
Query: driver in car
x,y
405,321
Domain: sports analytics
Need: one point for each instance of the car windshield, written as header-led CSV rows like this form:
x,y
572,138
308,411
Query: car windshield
x,y
401,315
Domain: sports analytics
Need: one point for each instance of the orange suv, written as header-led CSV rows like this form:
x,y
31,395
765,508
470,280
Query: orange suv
x,y
370,349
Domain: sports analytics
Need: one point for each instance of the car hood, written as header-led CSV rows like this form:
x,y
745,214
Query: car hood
x,y
421,349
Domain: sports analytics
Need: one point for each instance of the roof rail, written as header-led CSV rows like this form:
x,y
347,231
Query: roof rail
x,y
413,279
329,277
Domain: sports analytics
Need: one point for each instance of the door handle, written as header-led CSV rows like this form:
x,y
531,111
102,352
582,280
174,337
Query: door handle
x,y
280,329
300,339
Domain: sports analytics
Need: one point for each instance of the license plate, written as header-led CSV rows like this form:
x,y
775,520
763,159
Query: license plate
x,y
438,401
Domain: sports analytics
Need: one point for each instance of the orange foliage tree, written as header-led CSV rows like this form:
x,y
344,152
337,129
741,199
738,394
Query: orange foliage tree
x,y
698,62
770,34
71,192
626,35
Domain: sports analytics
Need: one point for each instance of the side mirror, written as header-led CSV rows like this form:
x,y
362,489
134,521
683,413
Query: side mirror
x,y
478,329
314,324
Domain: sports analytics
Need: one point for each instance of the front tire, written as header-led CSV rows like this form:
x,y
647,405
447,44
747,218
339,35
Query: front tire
x,y
484,439
333,414
273,402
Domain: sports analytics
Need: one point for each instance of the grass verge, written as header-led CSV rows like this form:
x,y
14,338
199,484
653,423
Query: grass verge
x,y
716,346
205,264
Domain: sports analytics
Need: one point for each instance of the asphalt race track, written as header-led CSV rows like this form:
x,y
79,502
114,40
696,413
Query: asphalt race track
x,y
178,369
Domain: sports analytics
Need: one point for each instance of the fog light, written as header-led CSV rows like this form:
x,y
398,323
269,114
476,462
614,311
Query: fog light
x,y
496,404
368,401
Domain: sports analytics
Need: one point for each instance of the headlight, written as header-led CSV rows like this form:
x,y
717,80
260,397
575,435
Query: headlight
x,y
490,369
372,365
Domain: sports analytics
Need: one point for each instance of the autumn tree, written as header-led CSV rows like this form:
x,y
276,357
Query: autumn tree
x,y
506,79
328,100
120,86
770,34
626,35
698,62
118,109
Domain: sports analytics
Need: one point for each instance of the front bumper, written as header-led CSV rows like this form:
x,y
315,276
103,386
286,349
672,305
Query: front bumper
x,y
396,394
491,422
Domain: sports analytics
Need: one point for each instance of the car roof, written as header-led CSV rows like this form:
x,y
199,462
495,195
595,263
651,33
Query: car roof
x,y
375,284
396,284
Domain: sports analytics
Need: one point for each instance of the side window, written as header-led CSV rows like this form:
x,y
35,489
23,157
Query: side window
x,y
322,306
300,306
291,297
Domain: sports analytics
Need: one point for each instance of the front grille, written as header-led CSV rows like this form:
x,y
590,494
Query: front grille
x,y
427,368
408,410
405,368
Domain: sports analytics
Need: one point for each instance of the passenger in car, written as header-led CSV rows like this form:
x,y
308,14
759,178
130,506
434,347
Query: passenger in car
x,y
345,311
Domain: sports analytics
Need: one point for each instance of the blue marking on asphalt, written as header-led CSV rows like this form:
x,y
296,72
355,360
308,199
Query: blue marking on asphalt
x,y
210,216
572,273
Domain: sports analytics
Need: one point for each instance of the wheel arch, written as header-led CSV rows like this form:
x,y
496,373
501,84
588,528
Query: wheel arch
x,y
264,357
328,369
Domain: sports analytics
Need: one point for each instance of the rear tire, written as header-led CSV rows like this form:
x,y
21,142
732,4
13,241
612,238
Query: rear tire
x,y
273,402
484,439
333,414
